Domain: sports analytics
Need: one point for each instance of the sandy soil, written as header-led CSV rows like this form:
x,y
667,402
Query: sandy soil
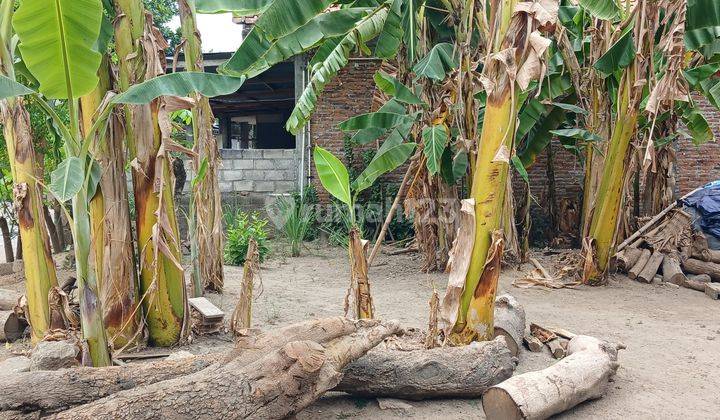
x,y
669,370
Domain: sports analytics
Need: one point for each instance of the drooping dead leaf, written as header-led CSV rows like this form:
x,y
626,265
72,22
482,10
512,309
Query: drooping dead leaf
x,y
458,266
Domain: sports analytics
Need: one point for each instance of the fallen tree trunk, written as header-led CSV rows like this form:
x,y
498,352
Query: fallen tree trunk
x,y
639,264
582,375
12,326
58,390
647,274
449,372
510,322
695,266
277,385
8,299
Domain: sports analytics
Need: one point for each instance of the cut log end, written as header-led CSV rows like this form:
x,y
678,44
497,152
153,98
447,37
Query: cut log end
x,y
498,404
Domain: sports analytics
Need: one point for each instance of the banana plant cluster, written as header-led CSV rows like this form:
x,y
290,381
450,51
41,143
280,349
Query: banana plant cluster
x,y
61,45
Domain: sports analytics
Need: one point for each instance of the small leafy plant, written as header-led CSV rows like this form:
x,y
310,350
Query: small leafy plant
x,y
242,226
295,220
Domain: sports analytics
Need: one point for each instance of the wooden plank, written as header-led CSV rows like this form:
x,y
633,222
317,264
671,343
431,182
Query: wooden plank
x,y
206,308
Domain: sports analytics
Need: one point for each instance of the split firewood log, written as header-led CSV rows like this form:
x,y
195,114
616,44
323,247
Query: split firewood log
x,y
647,274
449,372
510,321
12,326
279,384
695,266
533,343
697,282
582,375
56,390
8,299
548,338
627,258
639,264
672,273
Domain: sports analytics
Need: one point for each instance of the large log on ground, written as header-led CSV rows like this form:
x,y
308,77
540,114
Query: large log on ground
x,y
651,267
672,273
449,372
11,326
58,390
639,264
8,299
695,266
582,375
627,258
510,321
697,282
278,385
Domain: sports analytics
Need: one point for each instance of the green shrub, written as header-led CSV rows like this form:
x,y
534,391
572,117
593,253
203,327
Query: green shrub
x,y
242,226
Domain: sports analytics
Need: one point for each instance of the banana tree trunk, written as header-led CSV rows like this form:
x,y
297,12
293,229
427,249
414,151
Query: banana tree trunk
x,y
112,245
514,41
609,196
140,47
34,243
358,298
7,240
208,264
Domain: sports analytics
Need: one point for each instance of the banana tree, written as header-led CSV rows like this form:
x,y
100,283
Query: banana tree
x,y
52,33
207,211
39,266
336,180
634,60
114,259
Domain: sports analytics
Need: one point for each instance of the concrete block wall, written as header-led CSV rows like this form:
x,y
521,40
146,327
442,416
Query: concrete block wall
x,y
257,171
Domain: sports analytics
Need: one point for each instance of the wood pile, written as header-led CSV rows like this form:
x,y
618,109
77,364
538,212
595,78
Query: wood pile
x,y
670,251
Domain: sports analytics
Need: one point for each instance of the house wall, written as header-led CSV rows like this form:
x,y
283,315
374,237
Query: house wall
x,y
259,170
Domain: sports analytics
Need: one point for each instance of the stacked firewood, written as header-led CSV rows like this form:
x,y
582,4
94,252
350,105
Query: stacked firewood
x,y
672,252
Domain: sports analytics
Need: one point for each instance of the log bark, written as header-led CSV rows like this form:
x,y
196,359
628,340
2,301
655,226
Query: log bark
x,y
584,374
639,264
672,273
710,255
8,299
510,321
627,258
449,372
12,326
697,282
695,266
279,384
651,267
51,391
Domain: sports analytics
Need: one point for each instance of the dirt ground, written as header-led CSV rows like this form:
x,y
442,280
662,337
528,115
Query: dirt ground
x,y
669,370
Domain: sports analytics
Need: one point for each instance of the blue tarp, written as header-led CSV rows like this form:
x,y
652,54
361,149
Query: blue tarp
x,y
706,202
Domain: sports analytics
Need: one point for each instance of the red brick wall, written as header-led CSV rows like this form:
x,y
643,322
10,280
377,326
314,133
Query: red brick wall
x,y
349,94
698,165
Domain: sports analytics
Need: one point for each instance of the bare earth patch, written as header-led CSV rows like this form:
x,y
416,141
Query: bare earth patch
x,y
669,369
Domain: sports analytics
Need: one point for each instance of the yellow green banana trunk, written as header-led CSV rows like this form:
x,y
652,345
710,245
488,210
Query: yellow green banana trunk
x,y
207,211
139,48
609,196
113,258
40,274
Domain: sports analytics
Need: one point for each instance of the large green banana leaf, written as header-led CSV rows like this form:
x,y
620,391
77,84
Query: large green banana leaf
x,y
283,17
392,34
237,7
382,120
333,174
437,63
540,136
619,56
10,88
702,24
601,9
367,29
57,40
256,54
411,30
386,160
435,139
180,84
